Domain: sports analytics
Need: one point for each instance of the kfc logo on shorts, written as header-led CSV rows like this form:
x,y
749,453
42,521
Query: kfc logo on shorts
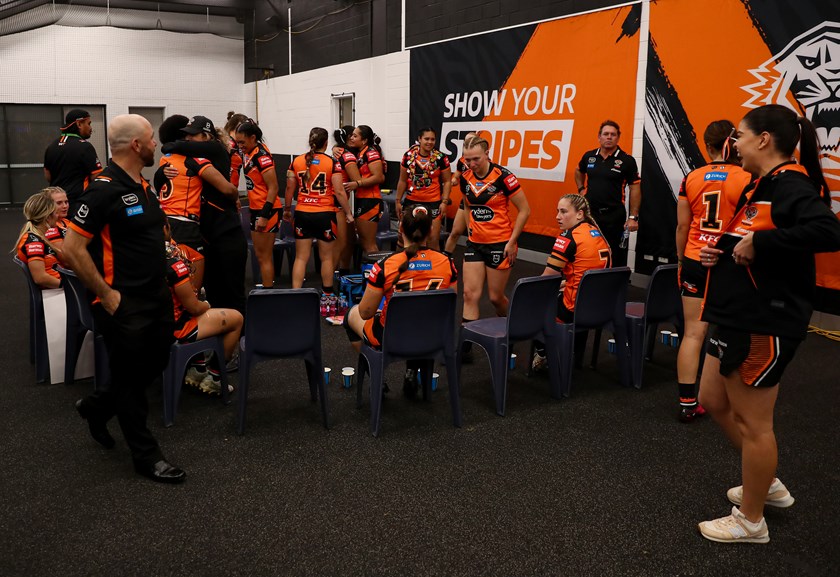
x,y
83,211
129,199
562,243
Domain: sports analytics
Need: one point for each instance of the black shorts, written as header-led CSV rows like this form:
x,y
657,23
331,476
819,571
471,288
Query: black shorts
x,y
491,254
369,209
273,221
760,359
693,278
186,233
433,208
318,225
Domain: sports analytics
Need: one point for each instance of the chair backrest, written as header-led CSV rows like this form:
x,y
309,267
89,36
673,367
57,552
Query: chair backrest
x,y
77,293
287,230
663,300
36,298
601,297
384,224
283,322
420,323
245,221
533,306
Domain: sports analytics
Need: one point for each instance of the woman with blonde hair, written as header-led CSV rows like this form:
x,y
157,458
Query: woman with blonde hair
x,y
33,248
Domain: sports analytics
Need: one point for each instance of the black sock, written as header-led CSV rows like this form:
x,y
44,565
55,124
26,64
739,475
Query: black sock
x,y
688,395
328,290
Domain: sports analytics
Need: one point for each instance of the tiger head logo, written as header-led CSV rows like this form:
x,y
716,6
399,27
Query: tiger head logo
x,y
805,76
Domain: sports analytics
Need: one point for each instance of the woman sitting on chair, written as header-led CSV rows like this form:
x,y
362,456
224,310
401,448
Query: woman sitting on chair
x,y
33,248
417,268
579,248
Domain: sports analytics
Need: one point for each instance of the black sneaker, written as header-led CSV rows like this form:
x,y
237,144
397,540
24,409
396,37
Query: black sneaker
x,y
690,414
411,383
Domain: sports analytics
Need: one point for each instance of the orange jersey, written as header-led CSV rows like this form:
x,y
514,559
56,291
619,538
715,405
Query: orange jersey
x,y
32,247
575,251
181,196
428,270
343,157
254,165
366,158
235,162
488,203
317,195
424,174
712,191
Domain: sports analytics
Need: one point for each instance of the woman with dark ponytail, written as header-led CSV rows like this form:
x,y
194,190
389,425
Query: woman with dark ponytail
x,y
416,268
758,299
707,200
348,165
317,180
367,206
263,196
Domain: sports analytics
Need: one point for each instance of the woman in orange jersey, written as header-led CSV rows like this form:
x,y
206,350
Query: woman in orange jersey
x,y
579,248
348,165
493,235
425,180
459,223
417,268
263,196
55,235
33,248
759,297
234,119
318,182
706,203
367,208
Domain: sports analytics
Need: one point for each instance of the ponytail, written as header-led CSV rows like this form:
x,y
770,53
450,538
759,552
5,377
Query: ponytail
x,y
580,204
809,156
416,225
37,210
317,141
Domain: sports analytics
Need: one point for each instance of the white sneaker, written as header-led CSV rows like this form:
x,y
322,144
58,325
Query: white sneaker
x,y
539,363
777,496
213,385
735,528
194,377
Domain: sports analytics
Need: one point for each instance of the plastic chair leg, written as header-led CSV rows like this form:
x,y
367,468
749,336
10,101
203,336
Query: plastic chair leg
x,y
361,369
499,367
376,378
454,389
244,381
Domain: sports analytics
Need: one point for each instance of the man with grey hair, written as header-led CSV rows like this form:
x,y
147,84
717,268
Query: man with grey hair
x,y
115,244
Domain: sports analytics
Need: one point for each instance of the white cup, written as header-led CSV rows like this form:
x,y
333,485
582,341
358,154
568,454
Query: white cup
x,y
327,372
347,373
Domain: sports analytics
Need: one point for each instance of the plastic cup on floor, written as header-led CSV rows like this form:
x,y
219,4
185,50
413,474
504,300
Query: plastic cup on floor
x,y
675,340
327,372
347,374
512,361
666,337
435,378
611,346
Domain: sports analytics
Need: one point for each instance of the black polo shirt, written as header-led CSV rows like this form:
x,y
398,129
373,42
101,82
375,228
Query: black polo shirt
x,y
72,162
125,221
606,178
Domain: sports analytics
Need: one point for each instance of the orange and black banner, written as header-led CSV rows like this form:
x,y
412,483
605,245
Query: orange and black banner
x,y
537,93
734,55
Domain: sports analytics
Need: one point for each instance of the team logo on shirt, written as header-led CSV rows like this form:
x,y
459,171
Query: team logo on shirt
x,y
83,211
129,199
617,163
751,212
590,160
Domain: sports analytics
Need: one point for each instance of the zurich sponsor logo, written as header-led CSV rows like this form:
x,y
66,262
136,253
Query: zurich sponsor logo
x,y
715,176
591,165
594,233
134,210
316,161
129,199
420,265
482,213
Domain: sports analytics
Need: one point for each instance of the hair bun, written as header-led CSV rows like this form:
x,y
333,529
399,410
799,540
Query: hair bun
x,y
419,209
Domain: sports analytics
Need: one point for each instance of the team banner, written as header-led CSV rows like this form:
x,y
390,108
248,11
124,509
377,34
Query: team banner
x,y
736,55
537,93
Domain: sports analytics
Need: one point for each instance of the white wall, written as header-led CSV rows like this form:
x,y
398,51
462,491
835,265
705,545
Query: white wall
x,y
289,106
185,73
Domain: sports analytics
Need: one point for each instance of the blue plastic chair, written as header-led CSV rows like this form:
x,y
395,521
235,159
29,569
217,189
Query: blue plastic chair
x,y
420,325
79,322
662,304
383,232
38,354
599,304
533,308
284,245
268,309
180,355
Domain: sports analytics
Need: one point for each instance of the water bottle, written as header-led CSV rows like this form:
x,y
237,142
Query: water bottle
x,y
342,305
624,237
324,309
332,304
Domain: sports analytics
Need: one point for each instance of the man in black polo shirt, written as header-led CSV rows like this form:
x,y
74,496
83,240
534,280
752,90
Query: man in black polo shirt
x,y
115,244
602,175
70,161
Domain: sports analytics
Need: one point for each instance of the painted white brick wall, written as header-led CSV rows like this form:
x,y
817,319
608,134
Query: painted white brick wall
x,y
183,73
289,106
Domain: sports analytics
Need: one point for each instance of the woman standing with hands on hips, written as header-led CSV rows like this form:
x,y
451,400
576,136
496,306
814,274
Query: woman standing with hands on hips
x,y
367,207
263,196
493,236
425,180
760,287
348,166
